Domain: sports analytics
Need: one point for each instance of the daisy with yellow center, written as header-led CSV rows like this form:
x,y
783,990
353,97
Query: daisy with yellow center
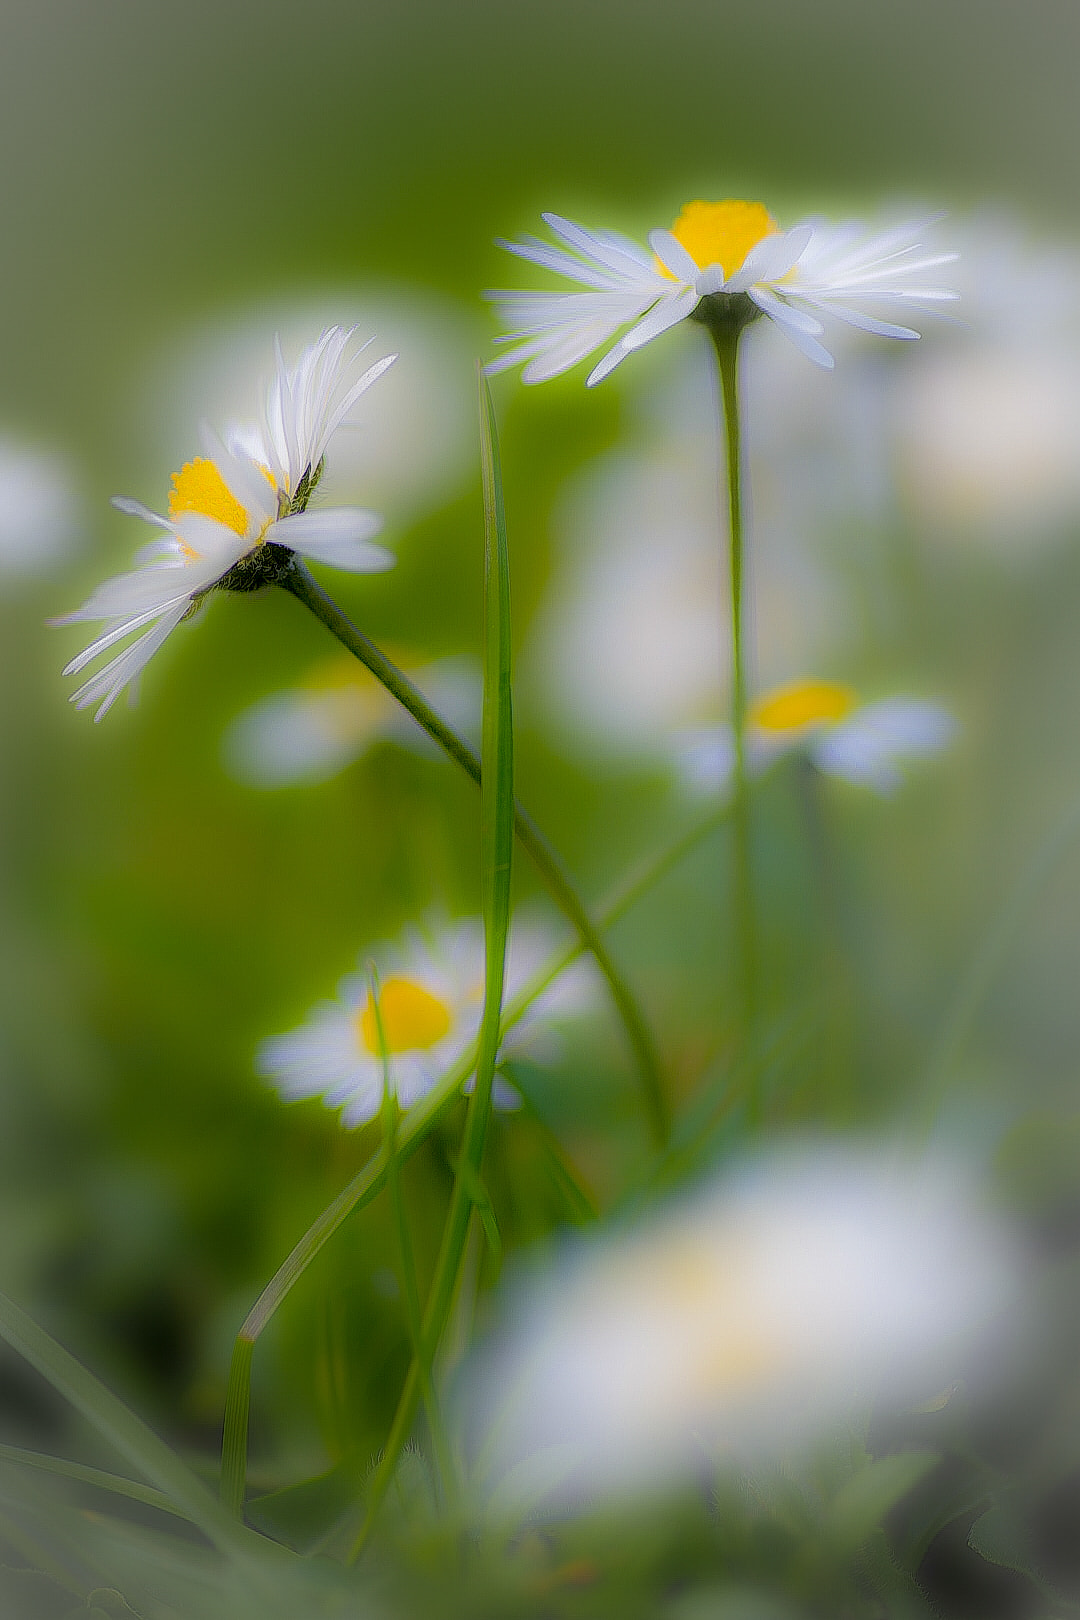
x,y
722,264
864,743
431,988
236,515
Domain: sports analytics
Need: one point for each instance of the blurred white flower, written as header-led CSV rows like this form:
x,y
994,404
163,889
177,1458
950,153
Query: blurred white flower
x,y
986,433
406,448
864,743
631,643
40,509
727,261
227,507
313,731
431,989
738,1326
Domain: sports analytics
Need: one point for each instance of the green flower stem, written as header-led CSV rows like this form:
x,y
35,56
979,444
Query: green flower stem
x,y
414,1127
299,581
726,341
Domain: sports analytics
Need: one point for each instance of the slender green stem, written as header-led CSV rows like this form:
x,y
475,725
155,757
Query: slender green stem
x,y
497,847
414,1128
406,1262
726,341
547,862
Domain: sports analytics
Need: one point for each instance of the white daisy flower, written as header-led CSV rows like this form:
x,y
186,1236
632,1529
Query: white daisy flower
x,y
311,732
864,743
236,514
737,1327
431,991
40,509
723,264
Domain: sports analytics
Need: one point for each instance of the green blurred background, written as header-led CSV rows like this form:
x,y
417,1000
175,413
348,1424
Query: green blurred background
x,y
172,168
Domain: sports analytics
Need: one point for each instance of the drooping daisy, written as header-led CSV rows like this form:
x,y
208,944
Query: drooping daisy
x,y
431,990
723,264
864,743
315,730
737,1327
236,515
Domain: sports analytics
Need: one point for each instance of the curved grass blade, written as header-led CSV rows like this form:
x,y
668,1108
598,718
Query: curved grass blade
x,y
99,1478
117,1424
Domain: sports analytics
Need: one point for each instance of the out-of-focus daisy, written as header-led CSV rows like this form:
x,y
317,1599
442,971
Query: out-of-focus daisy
x,y
723,264
40,509
315,730
236,515
626,647
864,743
431,989
985,434
739,1326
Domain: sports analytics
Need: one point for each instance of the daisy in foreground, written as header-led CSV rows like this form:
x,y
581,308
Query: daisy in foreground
x,y
236,516
738,1327
864,743
723,264
431,992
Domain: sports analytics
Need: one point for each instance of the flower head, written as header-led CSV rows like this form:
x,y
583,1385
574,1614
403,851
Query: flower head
x,y
236,514
739,1325
723,264
864,743
431,989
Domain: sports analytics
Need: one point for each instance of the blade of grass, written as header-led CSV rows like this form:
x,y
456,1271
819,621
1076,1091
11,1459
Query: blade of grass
x,y
116,1423
416,1125
133,1489
496,860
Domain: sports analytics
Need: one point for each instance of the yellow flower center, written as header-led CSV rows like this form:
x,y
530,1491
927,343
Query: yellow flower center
x,y
199,487
721,232
802,704
412,1018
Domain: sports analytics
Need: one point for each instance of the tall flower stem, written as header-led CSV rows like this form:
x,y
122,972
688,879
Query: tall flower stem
x,y
299,581
726,340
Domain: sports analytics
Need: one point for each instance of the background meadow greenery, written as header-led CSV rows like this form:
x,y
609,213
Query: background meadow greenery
x,y
174,168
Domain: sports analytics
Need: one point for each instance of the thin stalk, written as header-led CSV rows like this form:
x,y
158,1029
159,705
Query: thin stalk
x,y
839,1054
496,848
726,342
406,1262
547,862
414,1129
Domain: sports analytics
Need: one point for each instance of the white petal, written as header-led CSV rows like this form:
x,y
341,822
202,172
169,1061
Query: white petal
x,y
671,253
124,503
336,536
668,312
770,259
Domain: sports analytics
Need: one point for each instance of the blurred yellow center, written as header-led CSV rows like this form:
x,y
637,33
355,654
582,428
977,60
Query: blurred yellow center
x,y
412,1018
721,232
803,703
199,487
